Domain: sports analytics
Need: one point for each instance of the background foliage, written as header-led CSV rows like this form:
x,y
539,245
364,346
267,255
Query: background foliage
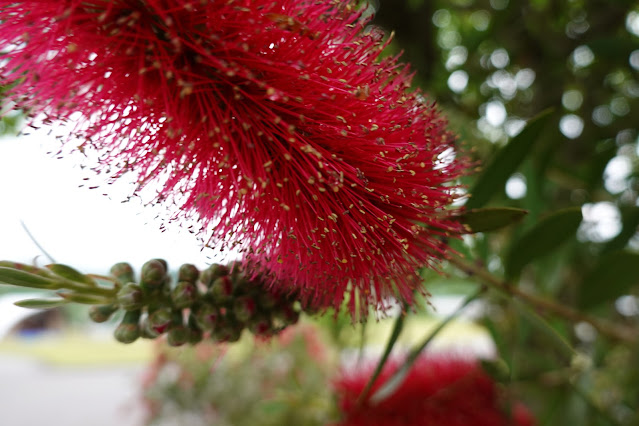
x,y
490,65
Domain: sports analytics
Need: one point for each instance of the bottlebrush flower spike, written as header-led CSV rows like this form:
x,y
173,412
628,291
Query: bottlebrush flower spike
x,y
273,123
438,390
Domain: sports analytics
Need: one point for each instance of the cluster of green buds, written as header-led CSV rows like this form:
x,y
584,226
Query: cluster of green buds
x,y
217,303
220,302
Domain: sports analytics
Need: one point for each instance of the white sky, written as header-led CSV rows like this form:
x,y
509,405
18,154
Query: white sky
x,y
77,226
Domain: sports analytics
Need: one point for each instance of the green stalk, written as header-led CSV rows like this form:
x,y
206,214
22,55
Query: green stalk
x,y
398,378
397,329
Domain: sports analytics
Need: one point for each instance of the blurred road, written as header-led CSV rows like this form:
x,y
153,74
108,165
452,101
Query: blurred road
x,y
34,394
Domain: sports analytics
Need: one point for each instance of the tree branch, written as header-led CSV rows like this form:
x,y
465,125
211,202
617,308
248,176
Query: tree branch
x,y
549,307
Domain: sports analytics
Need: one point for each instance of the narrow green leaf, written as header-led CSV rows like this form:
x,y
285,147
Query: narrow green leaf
x,y
24,267
397,330
396,380
547,330
613,276
25,279
490,219
71,274
85,299
542,239
506,161
41,303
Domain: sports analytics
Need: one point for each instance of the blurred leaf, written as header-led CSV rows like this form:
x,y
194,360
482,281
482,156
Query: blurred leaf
x,y
612,277
506,161
613,48
41,303
630,220
25,279
551,334
69,273
490,219
542,239
497,369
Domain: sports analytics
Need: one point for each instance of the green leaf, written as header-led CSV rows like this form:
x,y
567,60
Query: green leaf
x,y
24,267
397,330
25,279
71,274
506,161
546,329
613,49
490,219
542,239
85,298
395,381
613,276
41,303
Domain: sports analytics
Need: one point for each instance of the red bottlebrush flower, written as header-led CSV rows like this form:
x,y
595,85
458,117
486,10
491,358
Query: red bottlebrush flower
x,y
437,391
273,123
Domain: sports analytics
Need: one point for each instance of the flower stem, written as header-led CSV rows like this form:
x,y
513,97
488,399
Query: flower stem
x,y
397,329
391,385
542,305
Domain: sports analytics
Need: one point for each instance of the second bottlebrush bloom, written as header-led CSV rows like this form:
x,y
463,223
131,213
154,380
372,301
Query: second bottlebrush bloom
x,y
275,124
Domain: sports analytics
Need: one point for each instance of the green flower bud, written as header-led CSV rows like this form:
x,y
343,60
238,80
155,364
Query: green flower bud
x,y
123,272
101,313
212,273
130,297
207,317
287,315
227,331
261,325
195,332
188,273
244,308
266,300
154,274
236,269
163,262
129,329
160,320
221,289
178,335
241,285
146,332
184,294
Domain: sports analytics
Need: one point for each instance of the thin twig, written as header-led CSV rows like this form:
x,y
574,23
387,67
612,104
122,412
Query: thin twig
x,y
24,226
545,306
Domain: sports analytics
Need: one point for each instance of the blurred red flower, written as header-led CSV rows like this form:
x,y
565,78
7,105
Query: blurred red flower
x,y
438,390
273,123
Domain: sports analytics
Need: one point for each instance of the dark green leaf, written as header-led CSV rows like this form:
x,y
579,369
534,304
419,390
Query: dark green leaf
x,y
25,279
41,303
490,219
612,277
630,220
613,48
542,239
506,161
71,274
